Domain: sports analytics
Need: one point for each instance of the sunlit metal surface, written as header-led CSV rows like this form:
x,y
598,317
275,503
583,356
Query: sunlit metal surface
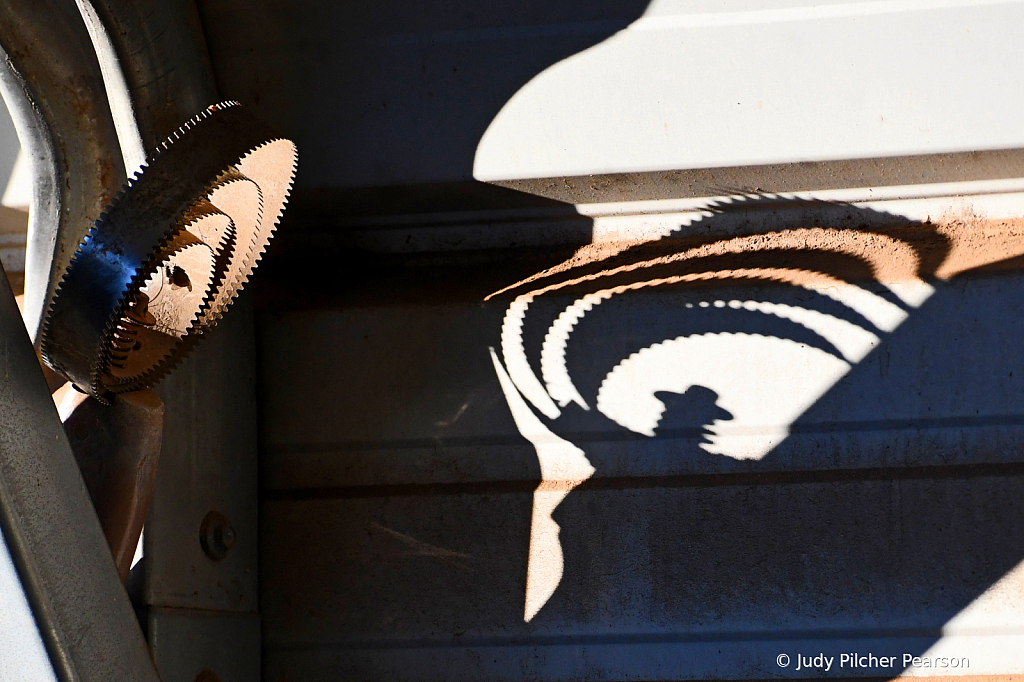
x,y
22,652
54,90
63,560
167,258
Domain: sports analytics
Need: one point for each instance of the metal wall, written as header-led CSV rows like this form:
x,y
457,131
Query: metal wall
x,y
569,426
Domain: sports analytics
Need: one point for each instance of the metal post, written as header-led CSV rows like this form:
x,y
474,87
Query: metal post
x,y
200,595
49,526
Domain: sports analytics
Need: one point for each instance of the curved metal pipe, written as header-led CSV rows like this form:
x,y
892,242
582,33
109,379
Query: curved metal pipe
x,y
54,89
164,64
154,64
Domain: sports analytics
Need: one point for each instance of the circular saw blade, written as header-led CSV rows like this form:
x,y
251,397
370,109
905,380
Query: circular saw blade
x,y
164,262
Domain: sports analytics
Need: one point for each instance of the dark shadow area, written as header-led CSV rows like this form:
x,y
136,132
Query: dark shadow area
x,y
396,491
389,101
391,129
890,507
693,410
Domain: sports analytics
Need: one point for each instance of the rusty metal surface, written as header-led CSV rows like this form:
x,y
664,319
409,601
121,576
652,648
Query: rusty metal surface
x,y
117,448
52,531
78,168
54,89
208,458
161,50
187,233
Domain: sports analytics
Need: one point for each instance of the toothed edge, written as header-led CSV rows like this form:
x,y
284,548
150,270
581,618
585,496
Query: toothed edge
x,y
258,245
182,350
89,235
185,127
97,224
188,217
197,326
169,363
101,220
101,363
233,286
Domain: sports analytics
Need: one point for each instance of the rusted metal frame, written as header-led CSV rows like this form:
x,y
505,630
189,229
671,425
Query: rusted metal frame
x,y
54,89
201,607
153,60
154,64
117,448
55,539
160,49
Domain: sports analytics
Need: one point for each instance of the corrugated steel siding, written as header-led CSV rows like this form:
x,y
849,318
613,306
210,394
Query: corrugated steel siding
x,y
397,494
398,489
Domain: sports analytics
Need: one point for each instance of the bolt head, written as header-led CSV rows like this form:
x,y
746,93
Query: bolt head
x,y
227,536
216,535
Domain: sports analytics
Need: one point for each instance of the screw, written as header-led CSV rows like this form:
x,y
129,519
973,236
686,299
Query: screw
x,y
226,535
216,535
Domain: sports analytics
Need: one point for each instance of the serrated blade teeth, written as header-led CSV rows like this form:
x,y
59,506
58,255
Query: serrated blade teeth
x,y
177,277
165,307
242,199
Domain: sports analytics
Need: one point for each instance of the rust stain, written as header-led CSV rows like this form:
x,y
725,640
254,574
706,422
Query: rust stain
x,y
982,244
943,250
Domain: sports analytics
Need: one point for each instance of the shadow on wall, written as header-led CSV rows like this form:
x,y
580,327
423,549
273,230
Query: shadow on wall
x,y
804,436
389,100
742,433
810,430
